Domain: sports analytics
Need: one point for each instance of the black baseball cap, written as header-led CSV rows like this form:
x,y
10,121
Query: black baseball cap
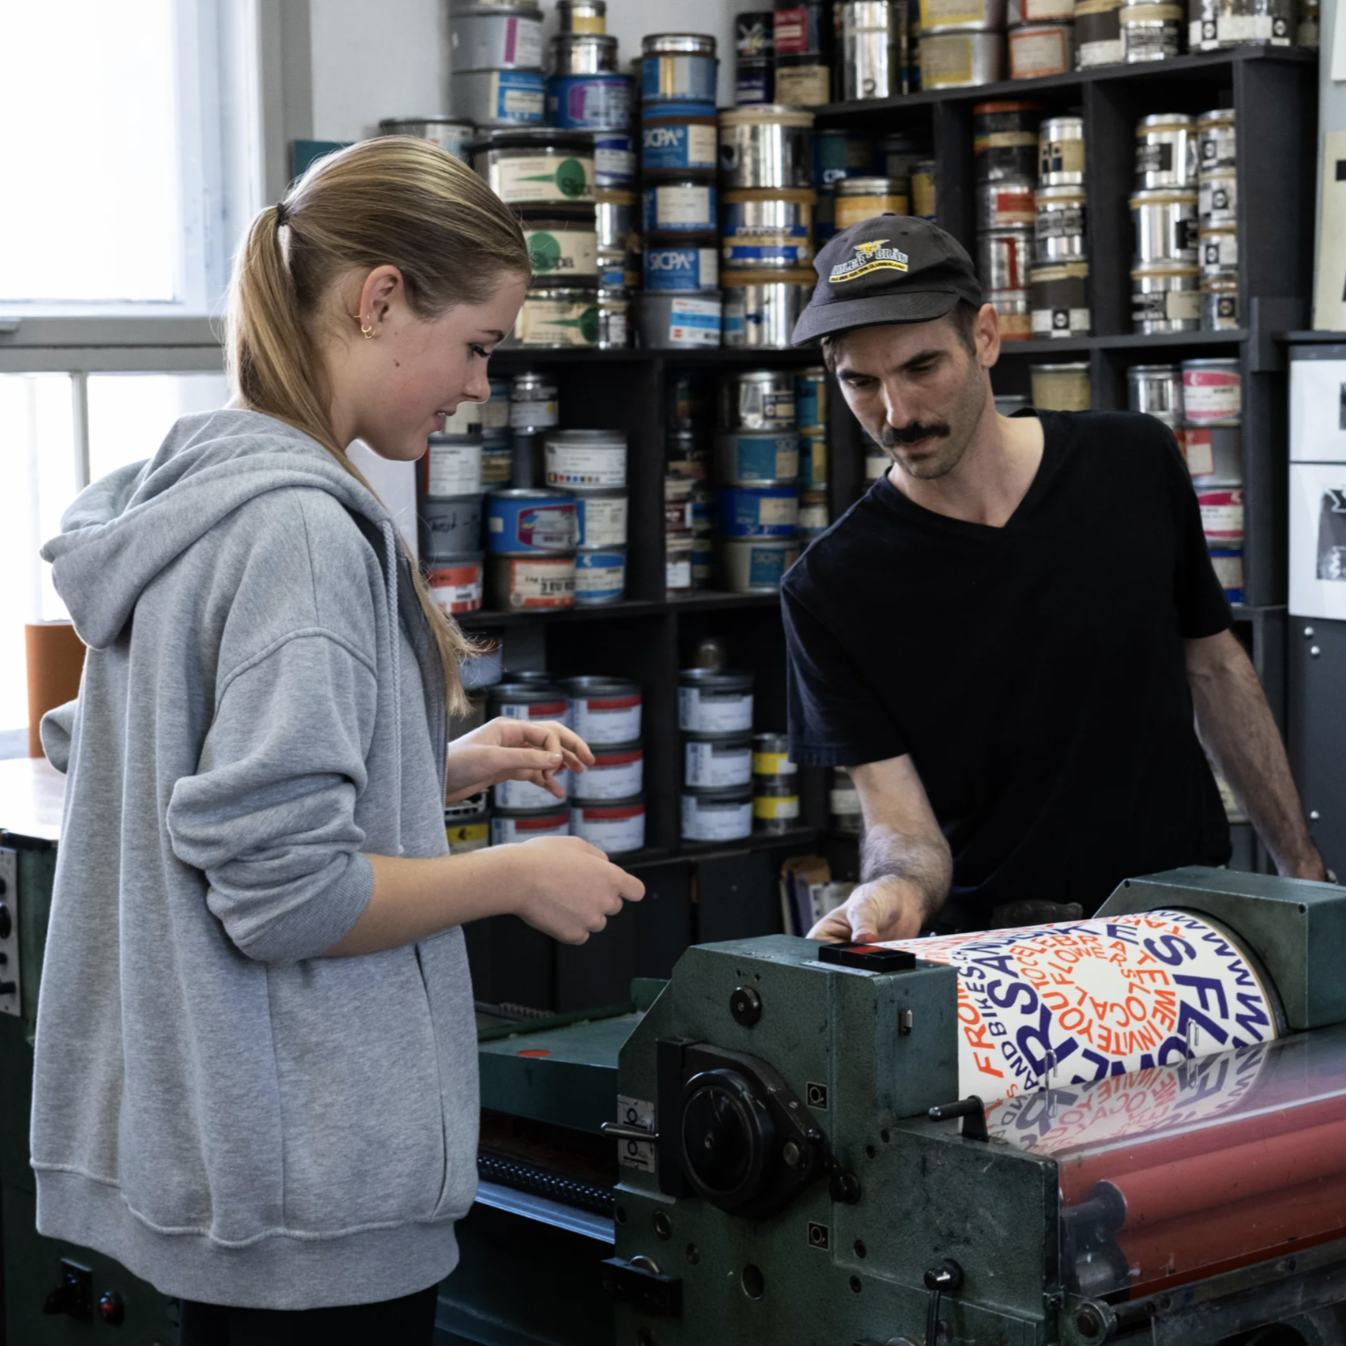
x,y
888,269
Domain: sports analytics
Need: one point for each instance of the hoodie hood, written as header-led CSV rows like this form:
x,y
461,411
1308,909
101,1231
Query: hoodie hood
x,y
123,530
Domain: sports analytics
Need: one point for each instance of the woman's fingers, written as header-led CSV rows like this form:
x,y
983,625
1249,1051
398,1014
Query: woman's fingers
x,y
554,737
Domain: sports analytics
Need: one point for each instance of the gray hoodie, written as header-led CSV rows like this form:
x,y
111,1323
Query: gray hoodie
x,y
233,1117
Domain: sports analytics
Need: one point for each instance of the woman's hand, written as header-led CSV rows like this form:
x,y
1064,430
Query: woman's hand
x,y
505,749
568,889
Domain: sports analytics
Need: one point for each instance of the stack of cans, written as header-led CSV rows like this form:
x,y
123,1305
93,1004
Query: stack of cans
x,y
1219,25
495,54
530,549
688,444
757,468
1058,301
715,709
591,466
679,538
533,410
449,512
680,306
607,800
766,222
497,438
1041,38
803,39
811,425
754,57
962,45
1005,144
775,784
1150,32
1165,293
873,54
522,811
449,133
1217,220
1212,407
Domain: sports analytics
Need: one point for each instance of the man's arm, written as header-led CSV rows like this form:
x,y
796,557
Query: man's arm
x,y
1237,730
905,863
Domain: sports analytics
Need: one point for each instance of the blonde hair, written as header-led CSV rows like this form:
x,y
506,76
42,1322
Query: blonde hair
x,y
393,201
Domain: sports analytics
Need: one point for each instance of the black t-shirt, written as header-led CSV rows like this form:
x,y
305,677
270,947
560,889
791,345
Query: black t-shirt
x,y
1034,672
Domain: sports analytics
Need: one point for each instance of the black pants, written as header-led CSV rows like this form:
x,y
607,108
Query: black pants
x,y
409,1321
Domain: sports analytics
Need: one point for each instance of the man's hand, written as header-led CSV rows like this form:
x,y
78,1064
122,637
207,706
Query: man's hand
x,y
884,909
505,749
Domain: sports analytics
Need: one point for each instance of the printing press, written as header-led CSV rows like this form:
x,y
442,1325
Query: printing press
x,y
1123,1129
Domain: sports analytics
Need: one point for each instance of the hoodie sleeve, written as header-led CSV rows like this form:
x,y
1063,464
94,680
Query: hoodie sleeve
x,y
57,728
269,816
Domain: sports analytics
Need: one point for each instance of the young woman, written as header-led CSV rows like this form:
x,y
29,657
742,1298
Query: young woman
x,y
256,1078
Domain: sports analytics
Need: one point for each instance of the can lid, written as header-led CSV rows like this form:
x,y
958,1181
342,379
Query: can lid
x,y
1086,8
530,493
557,814
774,114
1005,105
605,439
1212,362
1210,174
608,198
1071,367
1067,192
598,684
678,118
1215,116
735,738
1162,269
771,742
534,691
1135,370
630,805
796,196
1162,196
870,187
733,280
437,564
1220,283
1040,275
718,794
1057,126
1156,120
695,44
535,137
716,679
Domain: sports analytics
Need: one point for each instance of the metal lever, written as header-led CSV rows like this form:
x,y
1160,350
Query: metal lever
x,y
973,1112
945,1275
623,1132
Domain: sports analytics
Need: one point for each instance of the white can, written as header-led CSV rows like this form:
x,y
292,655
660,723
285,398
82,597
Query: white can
x,y
603,711
613,825
678,562
522,825
1217,193
717,815
590,459
1212,392
601,517
452,466
618,772
523,794
492,37
717,761
714,701
456,585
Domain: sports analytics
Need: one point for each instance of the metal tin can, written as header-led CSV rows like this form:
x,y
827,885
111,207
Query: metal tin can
x,y
495,37
1038,49
465,422
522,795
1151,32
771,756
754,34
863,198
757,399
583,53
839,154
1217,193
1063,387
753,82
1219,303
617,773
874,40
495,410
703,508
678,549
843,801
757,565
1015,310
1216,25
681,266
703,561
714,701
1006,202
582,16
814,518
532,401
678,514
677,146
499,97
597,101
512,825
536,582
1166,151
614,219
678,68
528,520
556,316
802,80
1214,454
775,806
604,710
531,168
1004,257
586,458
951,60
616,826
456,585
685,206
1212,391
768,230
1156,390
1059,300
1227,562
877,462
600,519
717,761
1216,140
1098,34
923,200
962,16
527,696
759,511
1308,33
1061,152
449,527
761,310
1165,297
1009,404
562,250
1165,226
756,457
811,397
451,466
717,815
1222,516
614,159
600,576
465,835
679,320
1005,139
1020,12
688,457
497,458
766,146
897,155
450,134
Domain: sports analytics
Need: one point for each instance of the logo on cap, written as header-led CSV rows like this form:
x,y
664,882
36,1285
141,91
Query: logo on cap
x,y
869,257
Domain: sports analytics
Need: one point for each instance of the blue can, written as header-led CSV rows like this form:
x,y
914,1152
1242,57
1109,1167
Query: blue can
x,y
525,520
600,576
614,159
751,456
681,267
759,511
678,145
767,235
678,68
678,208
752,82
840,154
811,397
595,102
500,97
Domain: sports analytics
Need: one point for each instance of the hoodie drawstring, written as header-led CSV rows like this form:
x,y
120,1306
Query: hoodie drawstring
x,y
390,550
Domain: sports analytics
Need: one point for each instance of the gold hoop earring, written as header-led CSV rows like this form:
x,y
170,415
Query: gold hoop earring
x,y
367,332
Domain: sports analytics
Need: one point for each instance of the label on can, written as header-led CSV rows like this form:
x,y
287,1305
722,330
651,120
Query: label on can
x,y
813,516
532,415
1107,51
614,775
694,321
775,807
679,206
453,469
517,96
1199,451
1010,208
593,465
843,800
1210,395
947,61
1227,563
1219,251
688,268
562,252
876,465
1056,221
1042,53
1045,11
601,520
606,719
1221,515
1061,322
541,583
457,587
523,794
614,829
614,159
776,247
545,321
1216,197
947,13
716,820
672,77
589,102
766,567
852,209
465,837
773,764
717,765
504,831
1064,155
810,401
600,577
803,85
672,147
543,177
533,710
763,458
704,710
549,527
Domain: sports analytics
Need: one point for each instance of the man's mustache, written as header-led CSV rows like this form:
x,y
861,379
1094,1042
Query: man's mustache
x,y
913,433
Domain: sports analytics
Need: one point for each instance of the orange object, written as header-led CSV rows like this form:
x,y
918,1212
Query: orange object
x,y
55,663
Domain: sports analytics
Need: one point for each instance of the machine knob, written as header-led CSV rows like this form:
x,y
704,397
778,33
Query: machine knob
x,y
8,987
728,1137
6,920
1314,651
111,1309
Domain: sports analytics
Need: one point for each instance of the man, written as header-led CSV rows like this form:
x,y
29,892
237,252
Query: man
x,y
1007,637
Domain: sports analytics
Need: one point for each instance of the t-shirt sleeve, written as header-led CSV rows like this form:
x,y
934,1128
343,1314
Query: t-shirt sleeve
x,y
835,718
1203,609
